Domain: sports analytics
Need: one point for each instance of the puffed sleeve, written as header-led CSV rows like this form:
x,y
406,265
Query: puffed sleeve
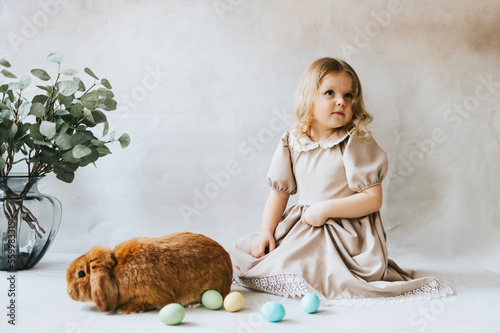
x,y
365,163
280,175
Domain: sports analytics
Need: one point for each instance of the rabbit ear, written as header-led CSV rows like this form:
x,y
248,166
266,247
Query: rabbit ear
x,y
103,287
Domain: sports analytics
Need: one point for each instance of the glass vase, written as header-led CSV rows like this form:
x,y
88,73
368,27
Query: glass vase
x,y
29,221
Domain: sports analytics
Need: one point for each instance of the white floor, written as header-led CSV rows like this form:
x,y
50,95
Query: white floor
x,y
42,305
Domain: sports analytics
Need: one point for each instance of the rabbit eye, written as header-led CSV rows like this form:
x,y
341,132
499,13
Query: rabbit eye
x,y
81,274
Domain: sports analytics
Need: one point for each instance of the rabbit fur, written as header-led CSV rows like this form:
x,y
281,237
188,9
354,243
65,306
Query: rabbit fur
x,y
149,273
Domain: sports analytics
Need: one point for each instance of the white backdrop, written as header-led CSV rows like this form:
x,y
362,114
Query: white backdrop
x,y
205,90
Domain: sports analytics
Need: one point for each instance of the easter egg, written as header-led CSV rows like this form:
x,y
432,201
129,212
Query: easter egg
x,y
310,303
211,299
234,301
273,311
172,314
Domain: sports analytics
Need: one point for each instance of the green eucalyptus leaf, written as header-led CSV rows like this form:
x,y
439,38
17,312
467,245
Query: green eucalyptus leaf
x,y
22,83
37,110
89,72
2,162
81,128
99,117
4,88
66,177
97,143
80,151
76,110
25,81
88,115
80,138
68,157
24,110
13,130
8,74
41,74
90,158
15,86
46,88
35,132
69,72
67,167
106,83
49,155
103,92
90,99
81,85
124,140
62,112
56,57
39,99
12,98
63,128
67,101
105,130
68,88
103,151
48,129
63,141
109,103
5,114
4,63
4,135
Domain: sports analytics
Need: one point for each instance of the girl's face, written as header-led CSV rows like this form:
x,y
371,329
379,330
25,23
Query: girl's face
x,y
332,104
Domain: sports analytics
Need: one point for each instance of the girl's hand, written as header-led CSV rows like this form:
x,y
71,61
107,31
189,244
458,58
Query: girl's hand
x,y
263,241
315,215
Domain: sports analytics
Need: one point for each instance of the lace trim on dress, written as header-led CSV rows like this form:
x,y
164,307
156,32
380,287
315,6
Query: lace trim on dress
x,y
304,143
290,285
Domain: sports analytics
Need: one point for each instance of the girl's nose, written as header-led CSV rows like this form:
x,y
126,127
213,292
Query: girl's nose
x,y
340,101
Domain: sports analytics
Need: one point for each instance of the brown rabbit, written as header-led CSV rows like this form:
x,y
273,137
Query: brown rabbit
x,y
148,273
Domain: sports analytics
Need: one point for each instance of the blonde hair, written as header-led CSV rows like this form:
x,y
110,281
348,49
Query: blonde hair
x,y
309,84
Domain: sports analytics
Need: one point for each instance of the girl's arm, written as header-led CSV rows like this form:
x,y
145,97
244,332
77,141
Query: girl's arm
x,y
273,211
360,204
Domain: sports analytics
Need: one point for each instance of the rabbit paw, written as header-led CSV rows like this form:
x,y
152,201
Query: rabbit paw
x,y
134,308
195,304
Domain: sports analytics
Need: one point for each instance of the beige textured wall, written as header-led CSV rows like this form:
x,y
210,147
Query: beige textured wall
x,y
205,89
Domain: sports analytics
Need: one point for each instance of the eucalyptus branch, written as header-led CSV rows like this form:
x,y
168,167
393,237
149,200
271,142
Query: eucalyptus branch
x,y
28,161
20,160
51,97
16,110
86,91
57,141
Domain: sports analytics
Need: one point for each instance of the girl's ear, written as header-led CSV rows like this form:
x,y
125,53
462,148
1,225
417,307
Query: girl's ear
x,y
103,288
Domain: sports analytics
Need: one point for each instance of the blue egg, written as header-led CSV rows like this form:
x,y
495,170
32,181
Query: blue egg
x,y
273,311
310,303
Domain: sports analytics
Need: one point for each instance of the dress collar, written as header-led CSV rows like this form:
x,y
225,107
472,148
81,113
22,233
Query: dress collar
x,y
305,143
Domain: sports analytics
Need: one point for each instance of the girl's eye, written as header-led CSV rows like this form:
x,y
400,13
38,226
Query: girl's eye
x,y
349,95
330,92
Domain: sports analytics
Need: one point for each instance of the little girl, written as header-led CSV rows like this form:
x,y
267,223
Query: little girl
x,y
332,242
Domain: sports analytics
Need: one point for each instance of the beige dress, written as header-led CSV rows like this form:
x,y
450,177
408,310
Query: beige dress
x,y
346,258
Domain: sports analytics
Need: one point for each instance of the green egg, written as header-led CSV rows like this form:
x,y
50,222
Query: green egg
x,y
212,299
172,314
